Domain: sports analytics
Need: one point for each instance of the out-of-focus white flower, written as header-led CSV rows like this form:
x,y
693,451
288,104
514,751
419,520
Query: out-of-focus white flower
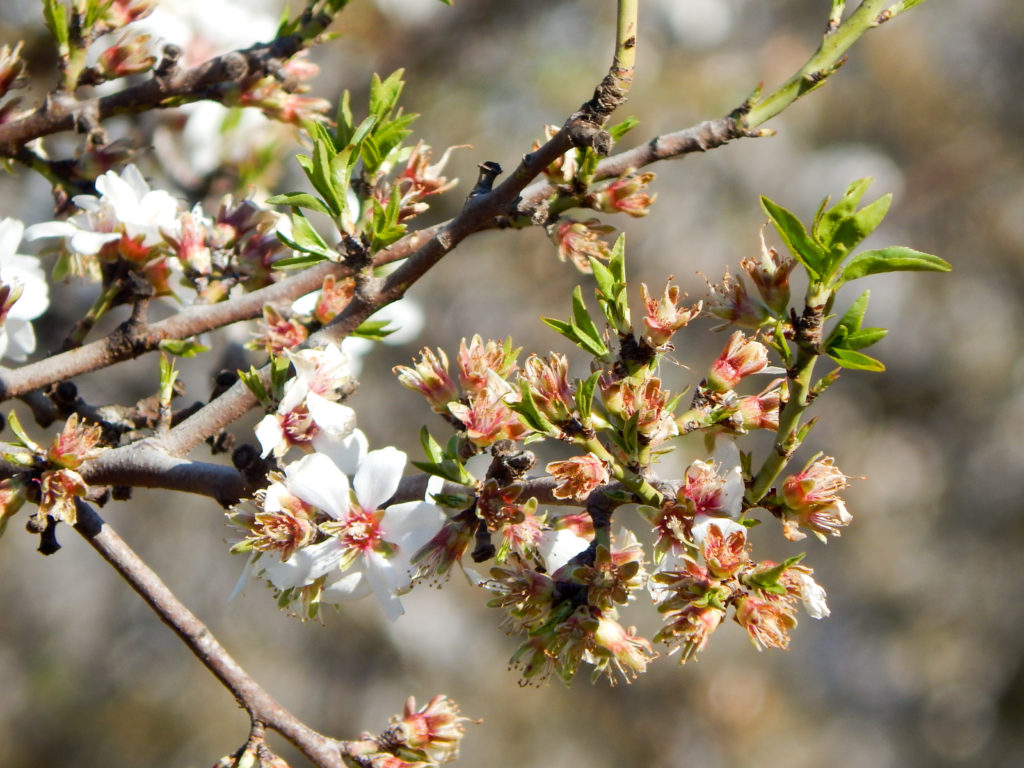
x,y
405,316
558,547
126,206
24,293
812,595
206,28
368,549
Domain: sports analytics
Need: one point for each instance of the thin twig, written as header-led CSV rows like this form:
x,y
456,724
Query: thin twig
x,y
321,750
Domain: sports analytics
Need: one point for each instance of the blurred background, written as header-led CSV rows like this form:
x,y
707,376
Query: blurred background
x,y
922,660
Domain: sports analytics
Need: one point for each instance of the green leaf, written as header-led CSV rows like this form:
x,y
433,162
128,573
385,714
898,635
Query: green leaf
x,y
630,435
322,177
252,380
562,327
850,321
767,579
19,432
603,277
374,330
585,389
299,262
847,358
853,230
183,347
826,222
168,375
621,129
377,148
56,17
362,131
443,462
793,234
895,258
300,200
346,127
305,238
587,331
530,414
865,337
431,447
384,93
386,229
611,285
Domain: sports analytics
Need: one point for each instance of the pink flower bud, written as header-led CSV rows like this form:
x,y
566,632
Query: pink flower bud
x,y
730,301
12,69
478,357
740,358
664,317
549,386
578,241
770,275
430,378
75,445
761,411
129,56
627,194
767,619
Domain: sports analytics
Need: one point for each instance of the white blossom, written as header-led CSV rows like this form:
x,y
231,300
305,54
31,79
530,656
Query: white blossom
x,y
368,548
126,206
24,275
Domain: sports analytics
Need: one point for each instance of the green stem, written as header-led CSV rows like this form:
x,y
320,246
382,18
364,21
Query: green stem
x,y
823,63
643,490
789,422
99,308
625,34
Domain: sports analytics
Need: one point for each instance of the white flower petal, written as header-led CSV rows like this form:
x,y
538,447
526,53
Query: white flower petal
x,y
347,453
701,523
317,480
50,229
348,585
11,231
337,419
378,476
727,466
383,582
22,338
411,524
269,433
89,243
813,597
295,391
557,548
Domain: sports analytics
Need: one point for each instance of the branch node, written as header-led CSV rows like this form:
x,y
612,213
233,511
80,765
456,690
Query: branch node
x,y
170,55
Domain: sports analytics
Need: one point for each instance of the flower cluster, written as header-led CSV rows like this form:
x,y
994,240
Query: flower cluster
x,y
428,736
732,302
480,401
131,226
569,613
50,479
319,537
310,415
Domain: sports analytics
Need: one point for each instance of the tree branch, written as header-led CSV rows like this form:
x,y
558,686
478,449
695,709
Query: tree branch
x,y
321,750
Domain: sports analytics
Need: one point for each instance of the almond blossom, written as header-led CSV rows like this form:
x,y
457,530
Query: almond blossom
x,y
125,207
366,548
309,414
24,293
